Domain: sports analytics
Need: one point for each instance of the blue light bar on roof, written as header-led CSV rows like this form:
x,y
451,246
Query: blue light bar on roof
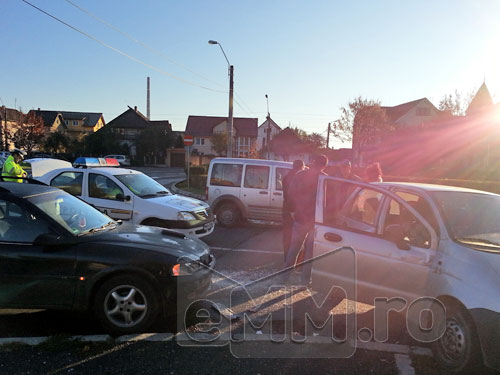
x,y
95,162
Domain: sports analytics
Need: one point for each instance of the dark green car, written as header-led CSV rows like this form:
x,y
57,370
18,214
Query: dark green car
x,y
58,252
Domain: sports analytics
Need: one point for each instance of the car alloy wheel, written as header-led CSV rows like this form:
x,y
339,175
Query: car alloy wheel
x,y
125,306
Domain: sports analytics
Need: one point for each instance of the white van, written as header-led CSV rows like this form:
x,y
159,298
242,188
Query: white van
x,y
239,189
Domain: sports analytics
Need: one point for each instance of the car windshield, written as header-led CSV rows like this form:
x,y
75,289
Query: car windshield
x,y
142,185
72,213
472,218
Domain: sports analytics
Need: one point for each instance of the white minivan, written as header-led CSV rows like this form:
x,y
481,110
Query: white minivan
x,y
239,189
125,194
417,246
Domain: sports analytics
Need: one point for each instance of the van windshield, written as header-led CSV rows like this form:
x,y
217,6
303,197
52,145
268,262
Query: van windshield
x,y
142,185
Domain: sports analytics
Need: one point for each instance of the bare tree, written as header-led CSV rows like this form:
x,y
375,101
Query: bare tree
x,y
30,132
456,104
363,121
219,143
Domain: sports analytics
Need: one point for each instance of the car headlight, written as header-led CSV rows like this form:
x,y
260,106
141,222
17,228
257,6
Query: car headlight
x,y
187,268
185,216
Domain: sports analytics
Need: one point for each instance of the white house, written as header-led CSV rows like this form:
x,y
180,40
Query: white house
x,y
267,126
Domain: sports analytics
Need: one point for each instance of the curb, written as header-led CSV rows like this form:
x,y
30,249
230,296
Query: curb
x,y
176,190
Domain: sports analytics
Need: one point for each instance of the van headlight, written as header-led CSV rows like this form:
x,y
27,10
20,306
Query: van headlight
x,y
185,216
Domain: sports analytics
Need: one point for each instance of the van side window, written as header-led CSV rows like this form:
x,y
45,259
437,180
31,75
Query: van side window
x,y
71,182
256,177
280,174
226,174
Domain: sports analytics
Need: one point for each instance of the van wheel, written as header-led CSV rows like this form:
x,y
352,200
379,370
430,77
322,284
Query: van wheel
x,y
126,304
457,351
228,215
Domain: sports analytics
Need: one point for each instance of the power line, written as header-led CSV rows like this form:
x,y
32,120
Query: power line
x,y
123,53
135,40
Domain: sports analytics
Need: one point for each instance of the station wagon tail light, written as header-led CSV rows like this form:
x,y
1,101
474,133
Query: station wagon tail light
x,y
176,270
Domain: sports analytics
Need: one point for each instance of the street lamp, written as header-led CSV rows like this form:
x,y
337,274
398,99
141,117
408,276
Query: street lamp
x,y
230,117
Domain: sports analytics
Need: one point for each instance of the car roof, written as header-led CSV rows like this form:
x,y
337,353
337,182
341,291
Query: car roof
x,y
432,187
278,163
25,190
104,170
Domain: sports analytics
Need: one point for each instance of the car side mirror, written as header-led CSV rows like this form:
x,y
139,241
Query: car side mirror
x,y
51,240
120,197
397,234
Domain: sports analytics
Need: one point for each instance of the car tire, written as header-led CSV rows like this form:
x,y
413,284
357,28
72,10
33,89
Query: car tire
x,y
126,304
458,350
228,215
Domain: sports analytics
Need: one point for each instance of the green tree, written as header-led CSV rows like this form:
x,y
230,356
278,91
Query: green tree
x,y
154,141
56,142
102,142
219,143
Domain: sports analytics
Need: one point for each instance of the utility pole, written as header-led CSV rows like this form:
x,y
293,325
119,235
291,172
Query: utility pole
x,y
5,128
268,135
230,122
328,136
148,102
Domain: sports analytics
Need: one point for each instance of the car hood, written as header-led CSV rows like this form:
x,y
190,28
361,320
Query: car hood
x,y
152,238
180,203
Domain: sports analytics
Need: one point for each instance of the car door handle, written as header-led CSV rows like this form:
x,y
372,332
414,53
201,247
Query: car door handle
x,y
333,237
263,192
277,193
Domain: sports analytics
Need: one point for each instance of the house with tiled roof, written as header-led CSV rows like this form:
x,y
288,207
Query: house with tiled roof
x,y
202,128
412,113
129,125
76,125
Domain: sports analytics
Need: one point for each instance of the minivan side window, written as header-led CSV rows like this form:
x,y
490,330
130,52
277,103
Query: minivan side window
x,y
256,177
226,174
71,182
280,175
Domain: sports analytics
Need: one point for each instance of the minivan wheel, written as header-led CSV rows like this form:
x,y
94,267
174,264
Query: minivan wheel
x,y
228,215
126,304
457,350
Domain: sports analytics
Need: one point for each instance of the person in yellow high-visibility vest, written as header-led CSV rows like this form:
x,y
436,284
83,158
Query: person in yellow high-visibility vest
x,y
11,167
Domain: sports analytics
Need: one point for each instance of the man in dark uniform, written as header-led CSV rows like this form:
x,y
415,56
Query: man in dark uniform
x,y
298,165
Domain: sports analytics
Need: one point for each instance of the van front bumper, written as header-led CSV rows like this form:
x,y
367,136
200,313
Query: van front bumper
x,y
487,323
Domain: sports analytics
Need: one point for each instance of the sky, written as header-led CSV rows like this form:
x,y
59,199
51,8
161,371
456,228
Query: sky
x,y
310,57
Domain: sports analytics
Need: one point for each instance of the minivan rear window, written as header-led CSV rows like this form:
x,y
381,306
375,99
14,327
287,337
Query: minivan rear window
x,y
226,174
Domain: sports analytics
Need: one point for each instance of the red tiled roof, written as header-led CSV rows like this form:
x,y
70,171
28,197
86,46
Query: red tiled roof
x,y
202,126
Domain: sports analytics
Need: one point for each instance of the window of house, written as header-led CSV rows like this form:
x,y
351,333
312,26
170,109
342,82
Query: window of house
x,y
66,122
199,141
256,177
103,187
423,112
226,174
70,182
75,122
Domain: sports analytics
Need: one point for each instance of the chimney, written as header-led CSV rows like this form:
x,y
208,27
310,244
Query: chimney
x,y
38,109
135,108
148,103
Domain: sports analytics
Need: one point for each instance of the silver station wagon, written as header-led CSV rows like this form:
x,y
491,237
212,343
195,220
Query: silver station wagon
x,y
412,241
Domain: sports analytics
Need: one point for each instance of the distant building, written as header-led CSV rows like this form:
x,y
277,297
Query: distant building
x,y
129,125
203,128
414,113
267,126
75,125
480,102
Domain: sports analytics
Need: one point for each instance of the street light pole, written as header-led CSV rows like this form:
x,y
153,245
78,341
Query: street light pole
x,y
268,135
230,114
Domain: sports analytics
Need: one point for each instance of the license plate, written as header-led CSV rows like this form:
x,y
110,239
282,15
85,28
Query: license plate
x,y
207,226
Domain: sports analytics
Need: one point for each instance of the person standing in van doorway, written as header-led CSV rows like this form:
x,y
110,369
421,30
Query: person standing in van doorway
x,y
302,192
288,208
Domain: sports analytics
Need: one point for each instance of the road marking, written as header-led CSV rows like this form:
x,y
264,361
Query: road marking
x,y
247,250
403,363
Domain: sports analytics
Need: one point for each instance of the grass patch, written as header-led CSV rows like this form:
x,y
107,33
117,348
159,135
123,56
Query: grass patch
x,y
192,189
